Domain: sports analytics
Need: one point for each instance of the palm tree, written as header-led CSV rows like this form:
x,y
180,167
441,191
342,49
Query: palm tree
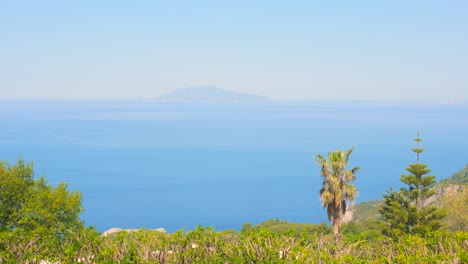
x,y
336,188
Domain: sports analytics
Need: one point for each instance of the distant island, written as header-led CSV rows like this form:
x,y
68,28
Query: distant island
x,y
210,95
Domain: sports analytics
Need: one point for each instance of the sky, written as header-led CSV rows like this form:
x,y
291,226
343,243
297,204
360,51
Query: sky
x,y
285,50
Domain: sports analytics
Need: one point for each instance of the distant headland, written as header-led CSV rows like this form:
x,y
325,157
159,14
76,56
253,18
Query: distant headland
x,y
210,95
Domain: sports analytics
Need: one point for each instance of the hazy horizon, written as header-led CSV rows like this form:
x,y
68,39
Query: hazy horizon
x,y
397,51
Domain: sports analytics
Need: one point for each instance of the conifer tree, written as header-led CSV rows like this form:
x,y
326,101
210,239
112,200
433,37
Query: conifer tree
x,y
405,211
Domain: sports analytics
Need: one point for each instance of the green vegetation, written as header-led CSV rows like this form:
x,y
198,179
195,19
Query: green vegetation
x,y
204,245
450,195
278,226
336,187
41,222
460,177
366,210
33,206
404,211
455,202
453,198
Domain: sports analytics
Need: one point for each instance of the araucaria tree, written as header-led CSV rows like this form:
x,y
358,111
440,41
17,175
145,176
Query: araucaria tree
x,y
406,211
336,188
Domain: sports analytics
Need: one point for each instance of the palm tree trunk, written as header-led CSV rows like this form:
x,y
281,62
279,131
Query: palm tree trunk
x,y
336,229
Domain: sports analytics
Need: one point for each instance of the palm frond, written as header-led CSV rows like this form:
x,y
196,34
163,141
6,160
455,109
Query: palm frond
x,y
336,187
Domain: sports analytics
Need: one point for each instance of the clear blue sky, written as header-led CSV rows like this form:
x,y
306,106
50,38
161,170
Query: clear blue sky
x,y
286,50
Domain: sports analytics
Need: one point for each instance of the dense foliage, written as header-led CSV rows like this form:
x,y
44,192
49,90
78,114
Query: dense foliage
x,y
204,245
282,226
32,205
404,211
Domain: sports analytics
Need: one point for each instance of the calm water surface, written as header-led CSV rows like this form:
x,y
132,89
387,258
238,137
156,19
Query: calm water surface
x,y
176,166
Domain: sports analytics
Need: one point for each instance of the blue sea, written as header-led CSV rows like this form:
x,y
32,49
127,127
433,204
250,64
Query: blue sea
x,y
177,166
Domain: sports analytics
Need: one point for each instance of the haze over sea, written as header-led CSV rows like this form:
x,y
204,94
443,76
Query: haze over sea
x,y
179,165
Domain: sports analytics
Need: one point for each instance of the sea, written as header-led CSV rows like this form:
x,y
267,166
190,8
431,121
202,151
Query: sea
x,y
176,166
